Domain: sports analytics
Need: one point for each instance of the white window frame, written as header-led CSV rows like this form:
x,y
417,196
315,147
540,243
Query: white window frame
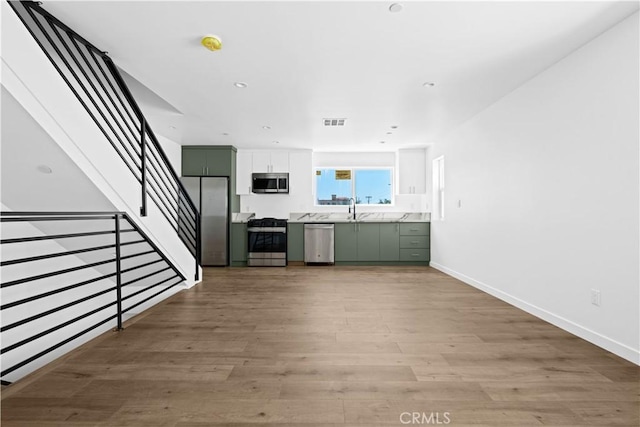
x,y
353,182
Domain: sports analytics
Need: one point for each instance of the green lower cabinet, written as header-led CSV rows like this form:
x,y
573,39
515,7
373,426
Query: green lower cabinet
x,y
238,244
411,242
368,242
382,243
414,255
390,242
295,242
346,242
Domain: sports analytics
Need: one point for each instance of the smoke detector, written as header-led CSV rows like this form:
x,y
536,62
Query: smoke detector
x,y
211,42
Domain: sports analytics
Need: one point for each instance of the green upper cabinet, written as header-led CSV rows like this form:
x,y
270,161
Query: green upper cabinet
x,y
346,242
390,242
368,242
194,161
213,160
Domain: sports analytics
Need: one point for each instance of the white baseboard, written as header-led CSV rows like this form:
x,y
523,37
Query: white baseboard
x,y
622,350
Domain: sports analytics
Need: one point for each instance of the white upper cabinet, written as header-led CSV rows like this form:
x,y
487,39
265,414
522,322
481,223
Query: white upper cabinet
x,y
271,161
244,167
258,161
412,174
300,173
279,161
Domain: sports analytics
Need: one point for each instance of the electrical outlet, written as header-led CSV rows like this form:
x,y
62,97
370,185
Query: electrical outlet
x,y
595,297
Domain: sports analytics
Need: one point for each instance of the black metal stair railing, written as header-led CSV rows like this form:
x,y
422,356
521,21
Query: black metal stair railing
x,y
83,271
97,84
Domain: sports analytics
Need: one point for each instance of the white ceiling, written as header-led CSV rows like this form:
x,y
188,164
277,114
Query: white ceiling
x,y
304,61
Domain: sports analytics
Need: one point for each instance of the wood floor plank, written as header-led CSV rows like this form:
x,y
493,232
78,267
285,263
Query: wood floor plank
x,y
509,372
196,390
329,347
148,370
311,372
407,338
382,390
565,391
320,347
234,411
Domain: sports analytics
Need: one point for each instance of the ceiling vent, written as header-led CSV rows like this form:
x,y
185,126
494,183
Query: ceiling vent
x,y
333,122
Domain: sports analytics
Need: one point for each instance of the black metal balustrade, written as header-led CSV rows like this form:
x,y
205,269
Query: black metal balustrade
x,y
84,270
96,82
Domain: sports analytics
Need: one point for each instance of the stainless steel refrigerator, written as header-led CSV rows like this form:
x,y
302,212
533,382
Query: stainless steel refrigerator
x,y
211,197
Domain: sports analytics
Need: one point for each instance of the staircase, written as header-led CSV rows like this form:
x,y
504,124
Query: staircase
x,y
62,291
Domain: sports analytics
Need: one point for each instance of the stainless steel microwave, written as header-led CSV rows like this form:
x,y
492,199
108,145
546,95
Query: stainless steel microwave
x,y
270,182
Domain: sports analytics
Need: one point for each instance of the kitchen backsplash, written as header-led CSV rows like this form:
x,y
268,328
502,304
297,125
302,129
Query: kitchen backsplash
x,y
281,205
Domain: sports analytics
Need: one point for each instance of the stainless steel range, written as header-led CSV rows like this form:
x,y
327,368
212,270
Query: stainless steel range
x,y
267,242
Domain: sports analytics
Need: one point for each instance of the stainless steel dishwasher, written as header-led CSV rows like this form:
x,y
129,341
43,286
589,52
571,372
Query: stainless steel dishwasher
x,y
318,243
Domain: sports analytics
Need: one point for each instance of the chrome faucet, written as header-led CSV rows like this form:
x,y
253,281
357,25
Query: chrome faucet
x,y
354,207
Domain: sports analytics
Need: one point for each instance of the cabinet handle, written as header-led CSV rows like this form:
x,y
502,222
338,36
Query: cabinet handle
x,y
413,242
413,229
415,254
203,173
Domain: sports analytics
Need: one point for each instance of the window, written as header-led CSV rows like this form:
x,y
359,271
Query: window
x,y
438,188
365,186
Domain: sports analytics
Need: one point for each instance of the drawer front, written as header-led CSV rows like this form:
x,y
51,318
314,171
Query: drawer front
x,y
419,242
414,254
414,229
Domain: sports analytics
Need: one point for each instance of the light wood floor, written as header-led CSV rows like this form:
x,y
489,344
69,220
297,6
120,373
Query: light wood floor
x,y
331,346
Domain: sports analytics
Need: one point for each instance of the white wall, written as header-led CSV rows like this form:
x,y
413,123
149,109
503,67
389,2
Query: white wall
x,y
173,150
281,205
548,181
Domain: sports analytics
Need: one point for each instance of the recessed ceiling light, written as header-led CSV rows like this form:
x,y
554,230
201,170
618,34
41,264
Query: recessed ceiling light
x,y
266,127
428,84
225,133
382,142
394,127
395,8
240,84
389,133
44,169
276,142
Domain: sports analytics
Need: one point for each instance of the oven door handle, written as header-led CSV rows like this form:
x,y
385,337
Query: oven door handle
x,y
267,229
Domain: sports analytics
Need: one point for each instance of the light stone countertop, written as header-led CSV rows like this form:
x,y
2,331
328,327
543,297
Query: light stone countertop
x,y
303,217
239,217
